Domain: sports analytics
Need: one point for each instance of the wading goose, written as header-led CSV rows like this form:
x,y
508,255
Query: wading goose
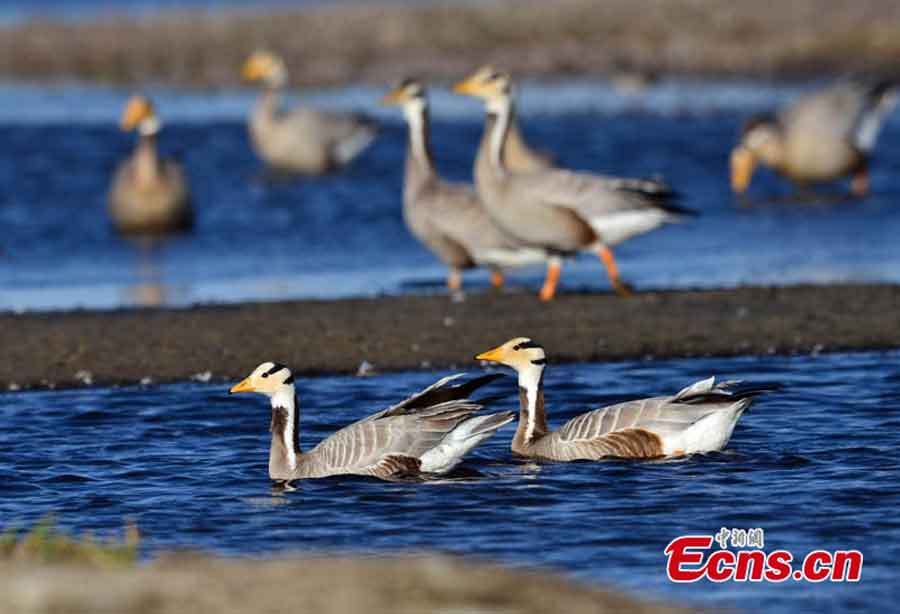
x,y
562,211
300,140
700,418
446,217
823,136
148,195
428,433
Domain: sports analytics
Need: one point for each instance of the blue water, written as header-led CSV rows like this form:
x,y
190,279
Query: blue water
x,y
343,235
815,465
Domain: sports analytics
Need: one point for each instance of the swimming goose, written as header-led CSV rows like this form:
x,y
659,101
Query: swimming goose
x,y
562,211
823,136
700,418
428,433
448,217
148,195
301,140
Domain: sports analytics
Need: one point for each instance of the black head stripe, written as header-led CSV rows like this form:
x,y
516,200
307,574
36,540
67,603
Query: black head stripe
x,y
290,379
526,345
276,367
539,361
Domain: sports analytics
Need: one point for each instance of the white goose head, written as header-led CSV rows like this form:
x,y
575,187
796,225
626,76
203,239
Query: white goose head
x,y
265,66
270,378
492,86
410,94
140,114
761,140
520,353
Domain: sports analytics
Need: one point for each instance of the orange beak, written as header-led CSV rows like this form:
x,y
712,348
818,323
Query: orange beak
x,y
242,386
495,355
743,163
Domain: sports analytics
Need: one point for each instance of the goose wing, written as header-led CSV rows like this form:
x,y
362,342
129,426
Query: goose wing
x,y
616,208
409,428
636,429
849,111
329,128
362,445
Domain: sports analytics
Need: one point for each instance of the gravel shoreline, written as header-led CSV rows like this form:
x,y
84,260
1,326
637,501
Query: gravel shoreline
x,y
423,332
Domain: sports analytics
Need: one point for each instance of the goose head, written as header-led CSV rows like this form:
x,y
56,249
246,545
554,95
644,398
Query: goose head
x,y
140,114
270,379
761,140
266,67
410,94
521,353
492,86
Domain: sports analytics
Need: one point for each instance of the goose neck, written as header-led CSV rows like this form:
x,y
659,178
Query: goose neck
x,y
285,452
419,145
500,116
532,417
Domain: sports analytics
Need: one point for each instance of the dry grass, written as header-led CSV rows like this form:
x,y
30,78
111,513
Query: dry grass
x,y
378,43
44,543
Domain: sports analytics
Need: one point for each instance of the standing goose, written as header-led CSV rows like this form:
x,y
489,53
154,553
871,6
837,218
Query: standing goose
x,y
825,135
446,217
148,195
301,140
562,211
428,433
700,418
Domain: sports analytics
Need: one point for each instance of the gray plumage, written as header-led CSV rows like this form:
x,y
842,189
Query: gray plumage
x,y
305,140
448,218
823,136
642,428
148,195
427,433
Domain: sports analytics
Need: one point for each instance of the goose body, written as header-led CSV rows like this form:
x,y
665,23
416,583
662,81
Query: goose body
x,y
448,218
300,140
428,433
518,156
148,195
561,211
823,136
699,418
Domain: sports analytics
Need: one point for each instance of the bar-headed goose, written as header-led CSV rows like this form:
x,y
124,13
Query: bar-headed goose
x,y
447,217
428,433
562,211
700,418
148,195
823,136
300,140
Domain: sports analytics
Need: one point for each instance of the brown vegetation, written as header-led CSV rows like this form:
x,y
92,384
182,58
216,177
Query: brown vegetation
x,y
207,585
333,45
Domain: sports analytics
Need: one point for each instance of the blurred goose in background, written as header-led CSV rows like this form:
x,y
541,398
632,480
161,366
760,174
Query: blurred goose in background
x,y
428,433
300,140
148,195
823,136
447,217
561,211
700,418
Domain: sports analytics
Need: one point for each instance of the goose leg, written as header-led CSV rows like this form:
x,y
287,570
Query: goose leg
x,y
548,290
497,279
454,280
859,185
621,288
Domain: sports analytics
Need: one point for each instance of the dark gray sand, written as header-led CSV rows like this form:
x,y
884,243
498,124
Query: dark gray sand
x,y
422,332
206,585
